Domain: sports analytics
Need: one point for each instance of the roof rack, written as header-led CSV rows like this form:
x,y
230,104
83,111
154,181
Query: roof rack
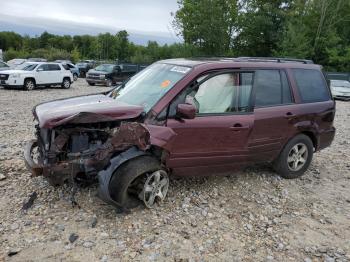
x,y
270,59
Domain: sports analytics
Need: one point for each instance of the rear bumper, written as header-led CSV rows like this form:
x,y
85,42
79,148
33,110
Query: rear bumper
x,y
34,168
326,138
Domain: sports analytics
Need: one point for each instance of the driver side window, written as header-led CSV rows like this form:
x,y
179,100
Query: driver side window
x,y
222,93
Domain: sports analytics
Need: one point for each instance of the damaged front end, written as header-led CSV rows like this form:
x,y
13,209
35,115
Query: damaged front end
x,y
85,139
80,152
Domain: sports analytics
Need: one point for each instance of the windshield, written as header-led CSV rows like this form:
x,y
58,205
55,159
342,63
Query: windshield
x,y
82,64
29,67
340,83
105,68
150,85
21,66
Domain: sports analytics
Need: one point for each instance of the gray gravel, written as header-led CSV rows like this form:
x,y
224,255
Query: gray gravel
x,y
252,215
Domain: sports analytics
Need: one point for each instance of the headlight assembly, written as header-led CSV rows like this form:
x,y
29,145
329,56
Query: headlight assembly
x,y
15,75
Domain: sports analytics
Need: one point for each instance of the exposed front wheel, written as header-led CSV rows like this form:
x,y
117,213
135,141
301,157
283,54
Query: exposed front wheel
x,y
66,83
139,180
155,188
295,158
91,84
29,84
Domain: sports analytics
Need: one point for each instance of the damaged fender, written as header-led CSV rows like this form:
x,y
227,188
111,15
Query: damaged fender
x,y
104,176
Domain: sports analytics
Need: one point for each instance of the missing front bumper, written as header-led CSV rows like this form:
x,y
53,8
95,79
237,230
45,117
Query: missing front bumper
x,y
34,168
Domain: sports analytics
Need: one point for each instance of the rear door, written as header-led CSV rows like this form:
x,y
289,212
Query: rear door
x,y
219,133
274,108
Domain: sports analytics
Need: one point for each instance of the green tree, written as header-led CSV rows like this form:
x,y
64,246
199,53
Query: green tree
x,y
122,44
207,24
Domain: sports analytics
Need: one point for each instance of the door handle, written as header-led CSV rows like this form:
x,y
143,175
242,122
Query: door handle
x,y
239,127
289,115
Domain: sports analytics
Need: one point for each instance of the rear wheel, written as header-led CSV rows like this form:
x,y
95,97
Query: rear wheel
x,y
29,84
295,158
66,83
75,77
139,180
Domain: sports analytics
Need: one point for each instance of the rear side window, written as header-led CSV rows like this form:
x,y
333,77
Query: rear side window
x,y
311,85
44,67
54,67
271,88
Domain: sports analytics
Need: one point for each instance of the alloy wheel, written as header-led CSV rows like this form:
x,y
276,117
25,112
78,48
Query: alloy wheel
x,y
29,85
297,157
155,188
66,84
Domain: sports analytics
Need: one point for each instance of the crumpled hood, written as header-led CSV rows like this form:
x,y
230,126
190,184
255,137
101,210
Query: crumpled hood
x,y
84,109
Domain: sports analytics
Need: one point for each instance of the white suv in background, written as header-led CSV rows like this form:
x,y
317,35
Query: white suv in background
x,y
34,74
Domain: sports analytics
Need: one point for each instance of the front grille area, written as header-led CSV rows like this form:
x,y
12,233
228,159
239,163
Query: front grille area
x,y
4,76
94,76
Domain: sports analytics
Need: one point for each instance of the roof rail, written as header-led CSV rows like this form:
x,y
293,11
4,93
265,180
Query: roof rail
x,y
270,59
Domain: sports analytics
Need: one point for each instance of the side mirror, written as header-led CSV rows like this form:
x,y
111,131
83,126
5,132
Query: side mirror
x,y
187,111
40,69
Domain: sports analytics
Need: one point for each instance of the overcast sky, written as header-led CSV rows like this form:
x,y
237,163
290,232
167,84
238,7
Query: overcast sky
x,y
140,17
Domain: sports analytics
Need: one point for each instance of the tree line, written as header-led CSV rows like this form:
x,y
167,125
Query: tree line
x,y
310,29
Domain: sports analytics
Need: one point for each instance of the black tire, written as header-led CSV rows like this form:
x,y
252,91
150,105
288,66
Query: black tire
x,y
29,84
66,83
109,83
75,77
126,174
91,84
282,164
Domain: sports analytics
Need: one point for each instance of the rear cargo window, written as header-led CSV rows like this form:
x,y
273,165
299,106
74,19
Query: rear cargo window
x,y
311,85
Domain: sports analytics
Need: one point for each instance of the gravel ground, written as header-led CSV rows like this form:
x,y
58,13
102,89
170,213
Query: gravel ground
x,y
252,215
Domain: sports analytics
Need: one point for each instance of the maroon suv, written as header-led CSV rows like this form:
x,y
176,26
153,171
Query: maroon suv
x,y
185,117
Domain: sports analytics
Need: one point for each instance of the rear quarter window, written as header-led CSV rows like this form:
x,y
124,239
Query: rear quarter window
x,y
311,85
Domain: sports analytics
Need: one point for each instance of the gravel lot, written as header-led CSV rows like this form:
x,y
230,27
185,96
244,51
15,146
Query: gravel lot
x,y
252,215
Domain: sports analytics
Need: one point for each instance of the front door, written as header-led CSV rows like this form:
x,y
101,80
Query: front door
x,y
219,133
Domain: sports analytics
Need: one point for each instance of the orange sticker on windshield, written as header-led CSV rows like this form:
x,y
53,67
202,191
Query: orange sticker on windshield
x,y
165,83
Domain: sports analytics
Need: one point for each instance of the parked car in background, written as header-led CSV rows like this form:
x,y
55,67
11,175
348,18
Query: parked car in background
x,y
73,68
63,61
13,63
340,89
84,66
185,117
35,59
36,74
4,66
110,74
105,74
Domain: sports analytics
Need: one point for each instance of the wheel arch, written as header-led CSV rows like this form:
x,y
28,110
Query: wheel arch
x,y
105,176
29,78
312,136
67,77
